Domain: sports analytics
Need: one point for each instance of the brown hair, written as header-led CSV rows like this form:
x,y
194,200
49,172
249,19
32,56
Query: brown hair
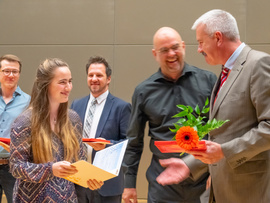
x,y
99,60
11,58
41,133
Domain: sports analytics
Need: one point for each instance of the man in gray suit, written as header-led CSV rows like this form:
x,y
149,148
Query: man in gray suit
x,y
238,153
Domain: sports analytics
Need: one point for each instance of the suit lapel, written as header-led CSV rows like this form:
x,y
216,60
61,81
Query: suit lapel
x,y
84,108
105,114
234,73
213,95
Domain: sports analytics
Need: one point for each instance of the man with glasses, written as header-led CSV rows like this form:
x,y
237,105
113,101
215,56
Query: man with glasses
x,y
155,100
12,102
238,153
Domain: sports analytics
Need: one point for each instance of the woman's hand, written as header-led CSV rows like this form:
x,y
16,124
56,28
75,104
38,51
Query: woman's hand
x,y
93,184
63,169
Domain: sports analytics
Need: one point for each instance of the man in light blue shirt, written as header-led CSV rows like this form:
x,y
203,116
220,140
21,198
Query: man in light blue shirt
x,y
12,102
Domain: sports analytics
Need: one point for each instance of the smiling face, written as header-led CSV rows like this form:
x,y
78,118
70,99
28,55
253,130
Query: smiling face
x,y
60,86
207,45
97,80
9,81
169,52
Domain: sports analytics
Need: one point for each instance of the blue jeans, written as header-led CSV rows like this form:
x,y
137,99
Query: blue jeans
x,y
7,182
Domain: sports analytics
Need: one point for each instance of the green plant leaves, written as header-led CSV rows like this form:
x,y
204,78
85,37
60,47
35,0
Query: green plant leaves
x,y
197,110
187,118
206,102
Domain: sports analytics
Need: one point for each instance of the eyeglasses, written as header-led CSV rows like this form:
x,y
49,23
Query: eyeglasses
x,y
175,48
8,72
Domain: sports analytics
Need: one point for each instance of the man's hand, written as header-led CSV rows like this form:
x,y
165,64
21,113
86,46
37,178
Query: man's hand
x,y
213,153
97,146
63,169
176,171
129,194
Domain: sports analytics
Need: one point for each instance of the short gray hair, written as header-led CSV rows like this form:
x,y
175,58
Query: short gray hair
x,y
218,20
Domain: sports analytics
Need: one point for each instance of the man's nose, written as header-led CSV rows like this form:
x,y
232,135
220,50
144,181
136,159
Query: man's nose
x,y
11,74
171,52
94,77
199,49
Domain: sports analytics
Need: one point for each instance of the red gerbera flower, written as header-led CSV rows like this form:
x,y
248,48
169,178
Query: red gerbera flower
x,y
187,137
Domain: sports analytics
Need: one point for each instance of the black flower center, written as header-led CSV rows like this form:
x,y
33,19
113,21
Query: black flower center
x,y
187,137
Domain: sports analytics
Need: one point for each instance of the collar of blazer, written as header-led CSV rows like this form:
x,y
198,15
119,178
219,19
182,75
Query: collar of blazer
x,y
105,114
234,73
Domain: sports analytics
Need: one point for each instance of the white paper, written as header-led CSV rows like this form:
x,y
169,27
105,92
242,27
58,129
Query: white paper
x,y
110,158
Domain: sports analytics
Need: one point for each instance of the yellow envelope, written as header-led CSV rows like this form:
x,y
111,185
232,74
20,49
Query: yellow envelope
x,y
88,171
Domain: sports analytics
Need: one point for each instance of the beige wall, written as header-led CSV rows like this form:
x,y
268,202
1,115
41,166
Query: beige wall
x,y
121,31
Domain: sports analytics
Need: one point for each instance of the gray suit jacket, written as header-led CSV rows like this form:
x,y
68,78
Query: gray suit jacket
x,y
243,176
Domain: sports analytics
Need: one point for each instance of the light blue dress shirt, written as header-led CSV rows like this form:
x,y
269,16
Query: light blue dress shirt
x,y
229,64
9,112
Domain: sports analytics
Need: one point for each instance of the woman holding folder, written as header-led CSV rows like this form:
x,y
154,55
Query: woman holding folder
x,y
46,139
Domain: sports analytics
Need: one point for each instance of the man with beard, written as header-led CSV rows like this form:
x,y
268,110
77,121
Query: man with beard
x,y
109,120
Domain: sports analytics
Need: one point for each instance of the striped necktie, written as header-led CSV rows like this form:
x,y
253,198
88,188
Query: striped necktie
x,y
224,75
89,119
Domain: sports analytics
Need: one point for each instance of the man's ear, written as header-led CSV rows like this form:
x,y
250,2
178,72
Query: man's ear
x,y
183,44
219,37
154,53
109,80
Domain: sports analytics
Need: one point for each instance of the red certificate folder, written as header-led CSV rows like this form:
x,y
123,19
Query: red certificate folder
x,y
172,147
96,140
5,140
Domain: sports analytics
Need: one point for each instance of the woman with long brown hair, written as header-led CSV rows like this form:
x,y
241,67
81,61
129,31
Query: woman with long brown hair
x,y
46,139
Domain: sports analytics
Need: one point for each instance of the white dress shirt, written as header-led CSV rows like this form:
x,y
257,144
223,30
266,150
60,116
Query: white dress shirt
x,y
101,100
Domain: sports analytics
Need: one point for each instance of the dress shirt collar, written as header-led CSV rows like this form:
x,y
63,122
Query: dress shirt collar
x,y
230,62
18,91
100,98
186,70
